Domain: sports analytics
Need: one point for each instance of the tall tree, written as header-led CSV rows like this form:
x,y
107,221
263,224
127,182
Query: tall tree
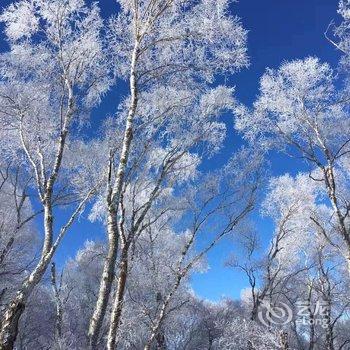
x,y
54,72
300,111
216,207
157,44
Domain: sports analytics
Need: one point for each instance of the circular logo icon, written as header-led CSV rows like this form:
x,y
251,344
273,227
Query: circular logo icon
x,y
279,314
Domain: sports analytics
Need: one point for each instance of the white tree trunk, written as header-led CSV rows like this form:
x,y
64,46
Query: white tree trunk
x,y
113,203
9,323
119,298
59,308
106,281
162,313
332,194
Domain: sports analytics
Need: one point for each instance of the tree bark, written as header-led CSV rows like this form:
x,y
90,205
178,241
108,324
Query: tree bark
x,y
118,301
9,323
59,307
113,202
15,309
332,194
106,281
329,329
162,313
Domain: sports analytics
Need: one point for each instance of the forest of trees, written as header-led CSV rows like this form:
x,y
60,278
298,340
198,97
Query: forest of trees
x,y
141,178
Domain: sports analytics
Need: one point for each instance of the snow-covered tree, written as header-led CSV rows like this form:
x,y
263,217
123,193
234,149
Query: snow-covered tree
x,y
168,53
301,269
300,111
18,235
54,71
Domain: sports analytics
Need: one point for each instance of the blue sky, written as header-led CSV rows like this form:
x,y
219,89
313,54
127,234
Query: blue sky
x,y
279,30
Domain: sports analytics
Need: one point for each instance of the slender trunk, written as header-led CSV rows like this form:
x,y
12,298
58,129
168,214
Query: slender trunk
x,y
128,133
119,298
106,281
15,309
114,198
332,194
48,226
255,309
311,319
10,320
348,260
9,323
13,312
312,331
182,272
59,307
329,329
162,313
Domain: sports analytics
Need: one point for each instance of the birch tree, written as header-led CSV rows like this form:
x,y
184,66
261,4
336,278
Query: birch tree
x,y
300,111
339,36
173,45
219,207
306,272
170,164
54,71
18,236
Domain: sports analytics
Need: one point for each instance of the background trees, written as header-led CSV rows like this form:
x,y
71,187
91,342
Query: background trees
x,y
301,112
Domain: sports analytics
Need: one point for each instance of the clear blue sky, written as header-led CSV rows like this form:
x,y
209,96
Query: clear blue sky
x,y
278,30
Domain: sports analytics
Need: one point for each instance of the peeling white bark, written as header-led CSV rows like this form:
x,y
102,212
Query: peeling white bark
x,y
113,199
